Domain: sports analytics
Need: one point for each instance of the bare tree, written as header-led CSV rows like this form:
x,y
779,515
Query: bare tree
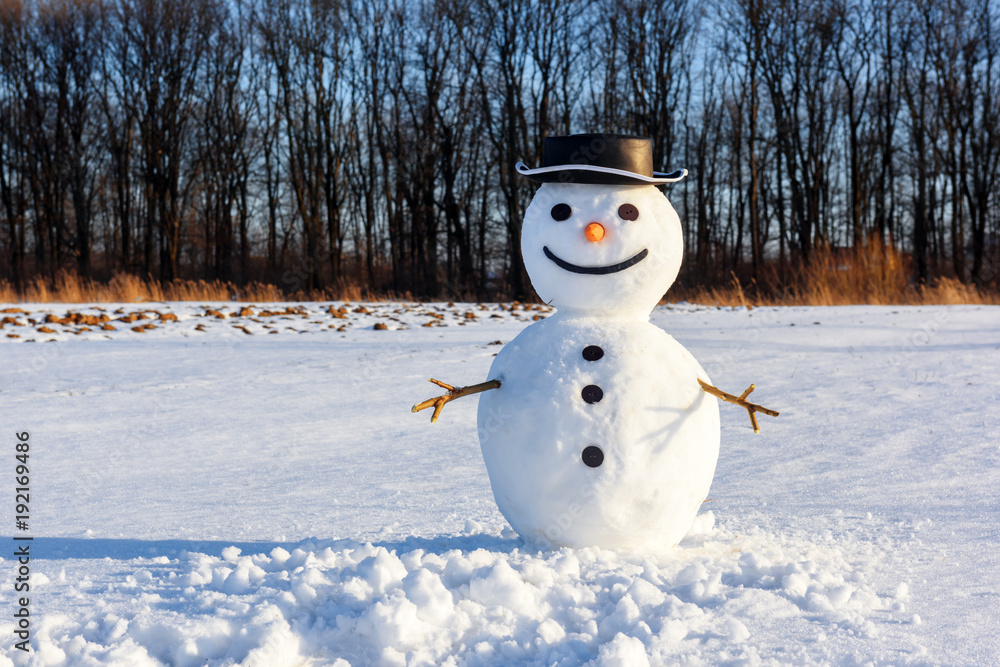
x,y
167,41
916,78
500,83
657,40
855,26
13,195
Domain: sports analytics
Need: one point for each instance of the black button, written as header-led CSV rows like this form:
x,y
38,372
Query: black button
x,y
592,353
561,212
592,393
593,456
628,212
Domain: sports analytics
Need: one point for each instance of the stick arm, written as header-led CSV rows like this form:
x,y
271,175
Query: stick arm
x,y
741,401
453,392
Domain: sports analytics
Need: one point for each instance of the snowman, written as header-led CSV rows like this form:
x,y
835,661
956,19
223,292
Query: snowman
x,y
597,427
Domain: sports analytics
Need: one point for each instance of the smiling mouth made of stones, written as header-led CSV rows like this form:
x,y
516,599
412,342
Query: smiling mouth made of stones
x,y
596,270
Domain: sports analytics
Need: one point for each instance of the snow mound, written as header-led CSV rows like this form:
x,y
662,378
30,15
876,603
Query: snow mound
x,y
500,602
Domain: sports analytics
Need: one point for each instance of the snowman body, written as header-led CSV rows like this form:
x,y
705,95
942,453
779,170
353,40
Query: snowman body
x,y
599,434
656,430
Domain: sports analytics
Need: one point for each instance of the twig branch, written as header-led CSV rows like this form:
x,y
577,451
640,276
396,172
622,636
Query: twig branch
x,y
741,401
453,393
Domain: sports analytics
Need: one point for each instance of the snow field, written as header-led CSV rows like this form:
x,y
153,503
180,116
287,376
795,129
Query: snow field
x,y
212,497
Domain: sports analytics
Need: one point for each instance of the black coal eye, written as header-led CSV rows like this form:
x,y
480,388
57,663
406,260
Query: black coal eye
x,y
561,212
628,212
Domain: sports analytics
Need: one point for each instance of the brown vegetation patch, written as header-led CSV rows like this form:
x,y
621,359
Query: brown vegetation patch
x,y
877,275
77,319
69,287
290,310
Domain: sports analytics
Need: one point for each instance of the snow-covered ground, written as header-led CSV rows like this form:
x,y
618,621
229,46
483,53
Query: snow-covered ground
x,y
203,493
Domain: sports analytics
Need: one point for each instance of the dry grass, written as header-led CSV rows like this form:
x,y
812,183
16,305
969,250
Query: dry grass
x,y
68,287
124,288
878,275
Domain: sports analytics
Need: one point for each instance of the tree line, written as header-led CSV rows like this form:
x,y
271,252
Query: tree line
x,y
308,143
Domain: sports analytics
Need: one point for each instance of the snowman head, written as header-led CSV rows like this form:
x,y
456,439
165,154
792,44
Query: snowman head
x,y
603,248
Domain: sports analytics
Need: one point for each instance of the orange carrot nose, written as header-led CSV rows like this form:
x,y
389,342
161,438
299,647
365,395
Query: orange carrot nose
x,y
594,232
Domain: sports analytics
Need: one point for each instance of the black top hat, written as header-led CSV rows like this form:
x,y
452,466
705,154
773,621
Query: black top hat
x,y
611,159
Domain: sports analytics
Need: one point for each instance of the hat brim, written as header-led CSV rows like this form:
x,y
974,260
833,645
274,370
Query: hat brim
x,y
591,174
